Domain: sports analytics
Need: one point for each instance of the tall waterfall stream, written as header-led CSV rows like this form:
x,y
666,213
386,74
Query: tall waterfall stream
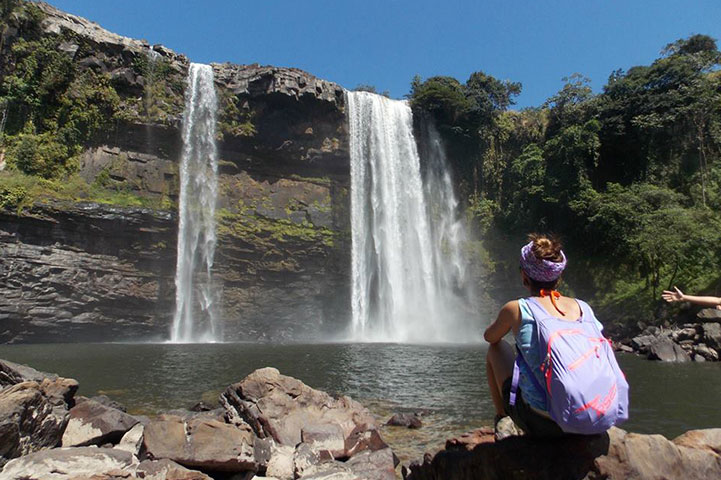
x,y
408,275
196,318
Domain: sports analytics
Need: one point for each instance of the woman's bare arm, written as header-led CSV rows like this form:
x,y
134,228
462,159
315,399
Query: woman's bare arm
x,y
507,318
679,296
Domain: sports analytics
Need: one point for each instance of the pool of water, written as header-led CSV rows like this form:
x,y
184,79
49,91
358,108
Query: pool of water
x,y
447,382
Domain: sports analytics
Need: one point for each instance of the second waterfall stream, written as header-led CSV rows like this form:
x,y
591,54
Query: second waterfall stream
x,y
408,270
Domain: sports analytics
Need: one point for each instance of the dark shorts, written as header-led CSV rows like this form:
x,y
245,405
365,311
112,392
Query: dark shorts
x,y
528,419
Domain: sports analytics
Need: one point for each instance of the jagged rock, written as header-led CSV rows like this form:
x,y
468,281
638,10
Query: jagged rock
x,y
666,350
506,427
330,471
614,455
70,463
304,457
132,441
712,335
92,423
641,343
328,437
167,470
14,373
709,315
408,420
361,439
684,334
267,80
280,407
202,443
33,415
281,464
706,353
378,465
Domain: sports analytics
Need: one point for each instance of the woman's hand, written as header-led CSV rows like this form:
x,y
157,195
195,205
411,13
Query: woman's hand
x,y
676,296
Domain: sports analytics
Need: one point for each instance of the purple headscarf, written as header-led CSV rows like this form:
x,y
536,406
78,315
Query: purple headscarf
x,y
538,269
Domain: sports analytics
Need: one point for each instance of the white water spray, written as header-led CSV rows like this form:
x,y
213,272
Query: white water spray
x,y
404,287
195,317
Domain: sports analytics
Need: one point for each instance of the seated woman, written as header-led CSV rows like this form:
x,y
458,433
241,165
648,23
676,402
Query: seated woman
x,y
542,262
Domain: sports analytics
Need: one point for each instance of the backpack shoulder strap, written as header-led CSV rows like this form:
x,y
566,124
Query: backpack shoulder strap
x,y
536,309
588,315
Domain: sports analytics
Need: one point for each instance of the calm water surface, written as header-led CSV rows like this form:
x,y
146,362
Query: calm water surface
x,y
448,381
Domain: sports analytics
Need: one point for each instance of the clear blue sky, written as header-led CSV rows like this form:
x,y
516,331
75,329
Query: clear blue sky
x,y
385,43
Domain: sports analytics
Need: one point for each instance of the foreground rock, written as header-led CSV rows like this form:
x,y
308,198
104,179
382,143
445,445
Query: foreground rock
x,y
613,455
33,409
67,463
92,423
203,443
94,464
290,412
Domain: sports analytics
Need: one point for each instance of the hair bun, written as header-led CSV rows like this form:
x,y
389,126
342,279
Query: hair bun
x,y
546,247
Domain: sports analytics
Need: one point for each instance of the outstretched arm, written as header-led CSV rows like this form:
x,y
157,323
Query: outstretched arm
x,y
507,318
679,296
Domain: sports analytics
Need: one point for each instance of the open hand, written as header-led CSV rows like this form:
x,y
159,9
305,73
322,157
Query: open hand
x,y
676,296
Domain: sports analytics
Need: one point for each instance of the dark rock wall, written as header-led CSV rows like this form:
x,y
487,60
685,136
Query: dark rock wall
x,y
76,272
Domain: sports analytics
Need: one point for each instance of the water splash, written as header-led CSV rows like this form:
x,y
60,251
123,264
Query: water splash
x,y
195,317
403,289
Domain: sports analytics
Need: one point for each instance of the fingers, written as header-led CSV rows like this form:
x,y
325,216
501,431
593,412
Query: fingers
x,y
678,291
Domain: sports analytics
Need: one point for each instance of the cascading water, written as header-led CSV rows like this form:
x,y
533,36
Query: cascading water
x,y
405,271
195,317
448,231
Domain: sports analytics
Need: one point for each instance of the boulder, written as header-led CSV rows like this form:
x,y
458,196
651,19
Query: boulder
x,y
70,463
614,455
408,420
328,437
362,439
305,458
666,350
199,442
712,335
33,416
92,423
703,351
132,441
14,373
282,407
641,343
709,315
281,464
378,465
167,470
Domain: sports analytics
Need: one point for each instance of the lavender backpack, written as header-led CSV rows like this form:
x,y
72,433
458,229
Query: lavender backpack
x,y
586,391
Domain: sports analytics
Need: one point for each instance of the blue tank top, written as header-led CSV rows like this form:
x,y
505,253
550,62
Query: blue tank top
x,y
527,344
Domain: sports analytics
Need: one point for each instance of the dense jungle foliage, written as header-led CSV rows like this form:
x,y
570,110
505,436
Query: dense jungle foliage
x,y
630,178
54,101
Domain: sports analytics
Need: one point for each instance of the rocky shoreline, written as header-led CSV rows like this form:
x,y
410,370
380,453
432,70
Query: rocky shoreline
x,y
273,426
698,341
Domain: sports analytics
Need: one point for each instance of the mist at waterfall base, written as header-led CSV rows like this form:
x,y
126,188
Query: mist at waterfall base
x,y
409,282
196,295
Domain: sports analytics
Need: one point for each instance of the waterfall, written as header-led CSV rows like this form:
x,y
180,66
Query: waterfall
x,y
407,265
195,317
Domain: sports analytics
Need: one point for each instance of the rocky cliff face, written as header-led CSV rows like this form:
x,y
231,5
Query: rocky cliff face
x,y
78,271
